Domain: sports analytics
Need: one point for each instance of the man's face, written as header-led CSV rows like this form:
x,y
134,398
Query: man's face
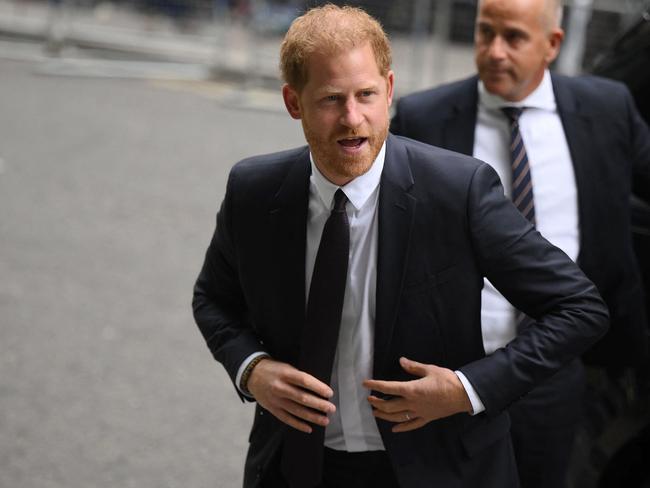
x,y
344,111
514,43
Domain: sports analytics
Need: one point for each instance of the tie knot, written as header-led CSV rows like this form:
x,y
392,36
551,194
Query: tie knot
x,y
339,201
513,113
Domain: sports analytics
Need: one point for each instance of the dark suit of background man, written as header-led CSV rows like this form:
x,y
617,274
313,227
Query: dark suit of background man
x,y
424,225
584,140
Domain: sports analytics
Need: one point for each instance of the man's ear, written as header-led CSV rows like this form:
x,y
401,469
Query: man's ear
x,y
390,86
555,38
291,101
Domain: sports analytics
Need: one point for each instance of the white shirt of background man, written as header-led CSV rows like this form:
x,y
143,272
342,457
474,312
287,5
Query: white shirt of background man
x,y
554,185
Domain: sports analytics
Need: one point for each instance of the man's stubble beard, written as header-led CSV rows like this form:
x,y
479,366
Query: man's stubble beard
x,y
349,166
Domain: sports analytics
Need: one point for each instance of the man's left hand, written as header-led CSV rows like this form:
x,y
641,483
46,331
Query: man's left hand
x,y
436,394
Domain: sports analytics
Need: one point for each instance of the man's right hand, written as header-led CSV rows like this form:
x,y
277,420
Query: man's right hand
x,y
291,395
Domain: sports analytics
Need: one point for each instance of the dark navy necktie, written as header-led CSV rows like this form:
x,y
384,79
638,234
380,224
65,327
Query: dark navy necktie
x,y
522,183
302,456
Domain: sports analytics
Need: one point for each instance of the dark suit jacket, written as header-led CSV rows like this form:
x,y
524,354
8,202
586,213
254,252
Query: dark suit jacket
x,y
444,224
610,149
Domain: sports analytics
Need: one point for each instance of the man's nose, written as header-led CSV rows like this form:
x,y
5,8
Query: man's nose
x,y
351,116
497,49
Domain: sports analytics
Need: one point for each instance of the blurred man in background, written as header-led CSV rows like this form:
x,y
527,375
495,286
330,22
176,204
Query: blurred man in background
x,y
568,152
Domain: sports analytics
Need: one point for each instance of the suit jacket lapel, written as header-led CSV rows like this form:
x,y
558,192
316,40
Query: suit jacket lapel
x,y
459,127
580,138
396,214
288,234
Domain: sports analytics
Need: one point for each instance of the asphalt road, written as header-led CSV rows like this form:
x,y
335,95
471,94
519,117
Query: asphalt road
x,y
108,192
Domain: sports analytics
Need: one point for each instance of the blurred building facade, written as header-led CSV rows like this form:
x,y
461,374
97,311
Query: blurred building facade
x,y
591,25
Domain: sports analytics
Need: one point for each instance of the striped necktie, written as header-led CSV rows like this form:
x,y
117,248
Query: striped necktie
x,y
522,183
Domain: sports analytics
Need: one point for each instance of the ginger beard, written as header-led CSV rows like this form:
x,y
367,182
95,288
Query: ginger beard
x,y
348,153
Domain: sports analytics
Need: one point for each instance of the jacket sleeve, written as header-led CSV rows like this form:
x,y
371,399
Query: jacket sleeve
x,y
538,279
218,303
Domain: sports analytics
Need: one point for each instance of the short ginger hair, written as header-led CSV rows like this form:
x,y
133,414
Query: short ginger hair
x,y
330,30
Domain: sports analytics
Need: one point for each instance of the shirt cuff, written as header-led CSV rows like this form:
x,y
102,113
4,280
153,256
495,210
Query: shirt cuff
x,y
475,400
242,368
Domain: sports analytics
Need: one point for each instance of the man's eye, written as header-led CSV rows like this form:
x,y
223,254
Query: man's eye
x,y
513,37
331,98
485,32
367,93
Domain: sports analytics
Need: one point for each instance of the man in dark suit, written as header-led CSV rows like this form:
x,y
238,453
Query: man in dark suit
x,y
584,140
381,380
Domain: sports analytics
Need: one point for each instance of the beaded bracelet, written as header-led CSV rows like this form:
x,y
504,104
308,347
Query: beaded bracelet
x,y
243,382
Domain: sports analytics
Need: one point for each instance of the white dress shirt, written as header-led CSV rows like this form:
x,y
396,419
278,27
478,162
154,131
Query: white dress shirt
x,y
352,427
554,185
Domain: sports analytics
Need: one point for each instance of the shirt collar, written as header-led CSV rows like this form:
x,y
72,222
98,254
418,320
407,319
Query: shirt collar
x,y
358,190
542,97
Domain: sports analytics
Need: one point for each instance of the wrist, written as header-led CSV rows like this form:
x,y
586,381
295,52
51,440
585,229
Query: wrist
x,y
246,375
463,401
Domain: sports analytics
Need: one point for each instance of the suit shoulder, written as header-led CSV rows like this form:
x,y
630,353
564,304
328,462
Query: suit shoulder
x,y
593,84
265,173
594,92
268,163
422,151
445,177
438,96
437,161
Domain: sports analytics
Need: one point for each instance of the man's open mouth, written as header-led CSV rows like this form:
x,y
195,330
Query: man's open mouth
x,y
352,142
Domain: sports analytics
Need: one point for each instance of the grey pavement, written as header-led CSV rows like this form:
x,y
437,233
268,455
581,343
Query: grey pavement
x,y
108,192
